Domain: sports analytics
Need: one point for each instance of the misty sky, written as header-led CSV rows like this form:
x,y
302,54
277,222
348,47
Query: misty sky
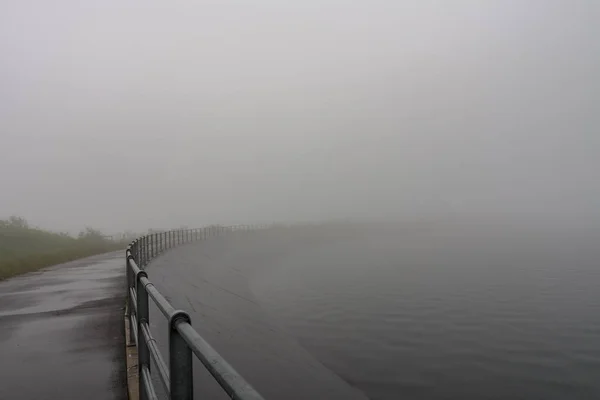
x,y
131,115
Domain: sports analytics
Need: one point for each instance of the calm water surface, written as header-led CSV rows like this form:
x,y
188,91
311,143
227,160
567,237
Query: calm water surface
x,y
446,315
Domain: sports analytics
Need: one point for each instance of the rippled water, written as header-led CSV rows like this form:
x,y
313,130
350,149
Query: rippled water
x,y
447,315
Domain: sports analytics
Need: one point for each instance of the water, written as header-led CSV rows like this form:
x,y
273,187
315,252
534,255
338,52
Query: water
x,y
471,313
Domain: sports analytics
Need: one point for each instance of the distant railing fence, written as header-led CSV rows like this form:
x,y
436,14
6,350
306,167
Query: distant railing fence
x,y
177,377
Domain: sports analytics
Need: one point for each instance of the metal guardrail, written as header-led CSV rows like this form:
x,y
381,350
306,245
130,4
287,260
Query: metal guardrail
x,y
177,377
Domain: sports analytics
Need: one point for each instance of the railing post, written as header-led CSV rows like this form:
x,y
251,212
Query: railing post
x,y
180,360
147,247
127,253
143,316
142,252
153,246
130,284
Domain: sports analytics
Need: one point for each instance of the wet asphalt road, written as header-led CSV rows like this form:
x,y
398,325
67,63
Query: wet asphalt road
x,y
61,332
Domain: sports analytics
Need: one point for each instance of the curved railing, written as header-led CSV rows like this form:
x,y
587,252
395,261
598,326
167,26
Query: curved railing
x,y
177,377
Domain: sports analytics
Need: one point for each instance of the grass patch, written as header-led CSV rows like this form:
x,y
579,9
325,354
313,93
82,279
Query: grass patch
x,y
24,249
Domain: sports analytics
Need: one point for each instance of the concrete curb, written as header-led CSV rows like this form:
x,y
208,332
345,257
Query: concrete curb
x,y
131,360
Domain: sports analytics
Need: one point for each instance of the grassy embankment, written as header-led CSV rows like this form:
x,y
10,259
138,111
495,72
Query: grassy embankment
x,y
24,249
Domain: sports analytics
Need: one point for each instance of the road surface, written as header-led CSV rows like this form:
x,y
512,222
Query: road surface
x,y
61,332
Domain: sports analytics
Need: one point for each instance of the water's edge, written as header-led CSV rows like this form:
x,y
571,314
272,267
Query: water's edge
x,y
422,313
211,280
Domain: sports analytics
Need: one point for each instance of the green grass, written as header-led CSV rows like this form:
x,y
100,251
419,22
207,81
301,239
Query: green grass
x,y
24,249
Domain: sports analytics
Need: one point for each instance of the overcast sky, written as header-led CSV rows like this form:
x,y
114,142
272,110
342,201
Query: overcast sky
x,y
126,114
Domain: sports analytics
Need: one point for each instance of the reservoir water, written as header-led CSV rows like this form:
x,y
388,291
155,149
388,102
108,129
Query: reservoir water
x,y
472,313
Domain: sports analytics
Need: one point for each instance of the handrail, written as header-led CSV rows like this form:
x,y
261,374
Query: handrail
x,y
184,340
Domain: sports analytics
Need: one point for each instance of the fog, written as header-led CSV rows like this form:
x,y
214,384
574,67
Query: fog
x,y
135,115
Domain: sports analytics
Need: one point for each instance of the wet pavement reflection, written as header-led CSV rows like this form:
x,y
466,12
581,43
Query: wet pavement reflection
x,y
61,332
